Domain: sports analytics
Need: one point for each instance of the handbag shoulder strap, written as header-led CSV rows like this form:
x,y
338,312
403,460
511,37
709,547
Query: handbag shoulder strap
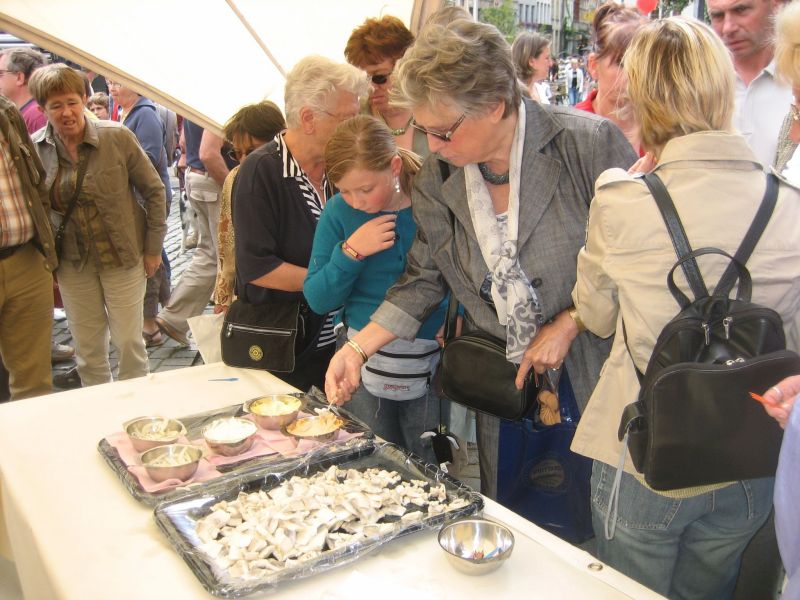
x,y
82,161
676,233
752,236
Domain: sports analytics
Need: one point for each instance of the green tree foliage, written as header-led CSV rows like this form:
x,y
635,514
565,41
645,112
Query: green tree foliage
x,y
504,17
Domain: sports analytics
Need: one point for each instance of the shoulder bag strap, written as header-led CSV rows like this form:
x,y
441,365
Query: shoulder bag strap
x,y
677,233
82,160
751,238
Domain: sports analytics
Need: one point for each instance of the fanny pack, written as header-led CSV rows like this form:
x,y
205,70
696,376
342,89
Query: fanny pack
x,y
401,370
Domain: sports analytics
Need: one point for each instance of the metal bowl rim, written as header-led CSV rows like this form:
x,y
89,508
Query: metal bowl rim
x,y
472,519
192,448
232,441
247,403
127,424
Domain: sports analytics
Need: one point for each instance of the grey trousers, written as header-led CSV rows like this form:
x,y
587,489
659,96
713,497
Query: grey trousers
x,y
193,292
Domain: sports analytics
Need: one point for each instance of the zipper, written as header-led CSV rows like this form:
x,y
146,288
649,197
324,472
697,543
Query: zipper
x,y
263,330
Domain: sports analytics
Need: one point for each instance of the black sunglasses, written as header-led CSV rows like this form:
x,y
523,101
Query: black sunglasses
x,y
379,79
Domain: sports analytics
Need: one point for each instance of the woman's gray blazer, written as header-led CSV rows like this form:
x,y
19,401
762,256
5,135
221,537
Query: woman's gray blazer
x,y
565,151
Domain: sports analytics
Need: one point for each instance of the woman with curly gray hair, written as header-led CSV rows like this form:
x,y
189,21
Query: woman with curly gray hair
x,y
502,230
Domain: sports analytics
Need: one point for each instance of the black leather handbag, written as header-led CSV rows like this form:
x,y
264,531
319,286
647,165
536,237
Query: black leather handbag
x,y
694,422
273,336
475,372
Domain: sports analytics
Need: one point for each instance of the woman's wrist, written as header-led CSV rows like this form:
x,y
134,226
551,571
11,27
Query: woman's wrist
x,y
357,348
351,252
574,322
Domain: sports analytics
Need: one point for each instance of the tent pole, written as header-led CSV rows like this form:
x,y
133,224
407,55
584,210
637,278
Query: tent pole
x,y
256,37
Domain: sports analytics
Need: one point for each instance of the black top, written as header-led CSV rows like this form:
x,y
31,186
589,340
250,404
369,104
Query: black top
x,y
275,213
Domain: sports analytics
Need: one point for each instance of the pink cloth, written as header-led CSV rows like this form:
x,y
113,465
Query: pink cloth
x,y
130,456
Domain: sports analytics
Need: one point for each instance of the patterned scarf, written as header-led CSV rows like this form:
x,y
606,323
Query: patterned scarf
x,y
515,301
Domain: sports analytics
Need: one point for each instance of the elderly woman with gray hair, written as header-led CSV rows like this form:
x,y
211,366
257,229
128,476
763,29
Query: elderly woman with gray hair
x,y
279,195
503,230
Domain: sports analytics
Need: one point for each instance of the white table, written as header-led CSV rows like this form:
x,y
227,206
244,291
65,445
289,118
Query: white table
x,y
74,532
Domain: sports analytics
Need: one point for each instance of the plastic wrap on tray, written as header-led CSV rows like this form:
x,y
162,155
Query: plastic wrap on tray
x,y
196,526
356,437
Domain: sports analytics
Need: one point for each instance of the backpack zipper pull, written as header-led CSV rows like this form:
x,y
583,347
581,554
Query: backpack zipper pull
x,y
707,333
726,323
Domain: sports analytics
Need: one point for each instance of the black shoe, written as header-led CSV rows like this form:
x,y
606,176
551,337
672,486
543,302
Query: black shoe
x,y
67,380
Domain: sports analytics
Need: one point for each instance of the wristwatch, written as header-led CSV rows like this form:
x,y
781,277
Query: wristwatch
x,y
351,252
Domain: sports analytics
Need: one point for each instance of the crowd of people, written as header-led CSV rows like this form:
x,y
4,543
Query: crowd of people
x,y
424,168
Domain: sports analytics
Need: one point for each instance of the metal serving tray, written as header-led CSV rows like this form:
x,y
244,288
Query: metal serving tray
x,y
178,519
194,424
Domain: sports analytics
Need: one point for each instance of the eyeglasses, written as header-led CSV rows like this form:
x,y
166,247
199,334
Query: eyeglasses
x,y
239,155
4,71
447,135
339,118
380,78
113,83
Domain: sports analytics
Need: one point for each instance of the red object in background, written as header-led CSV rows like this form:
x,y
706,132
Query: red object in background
x,y
646,6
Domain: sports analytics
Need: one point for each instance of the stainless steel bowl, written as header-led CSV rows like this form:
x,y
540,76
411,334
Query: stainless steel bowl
x,y
183,469
150,432
476,546
328,436
230,446
269,420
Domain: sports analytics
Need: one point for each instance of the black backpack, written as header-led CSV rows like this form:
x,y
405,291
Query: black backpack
x,y
695,422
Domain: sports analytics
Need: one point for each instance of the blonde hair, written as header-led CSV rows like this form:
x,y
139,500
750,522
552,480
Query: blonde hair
x,y
461,62
680,80
787,46
364,142
55,79
313,79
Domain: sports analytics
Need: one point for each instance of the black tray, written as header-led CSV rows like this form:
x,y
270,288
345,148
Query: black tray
x,y
178,518
194,425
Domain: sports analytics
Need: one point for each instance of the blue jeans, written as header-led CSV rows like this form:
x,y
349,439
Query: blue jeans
x,y
400,421
681,548
574,96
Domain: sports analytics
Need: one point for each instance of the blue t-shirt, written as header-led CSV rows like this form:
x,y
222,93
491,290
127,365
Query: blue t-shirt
x,y
335,279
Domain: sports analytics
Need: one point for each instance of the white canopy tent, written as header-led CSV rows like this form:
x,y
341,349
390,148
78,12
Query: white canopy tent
x,y
202,58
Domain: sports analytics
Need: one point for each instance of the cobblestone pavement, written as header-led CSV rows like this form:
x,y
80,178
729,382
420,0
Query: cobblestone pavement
x,y
169,355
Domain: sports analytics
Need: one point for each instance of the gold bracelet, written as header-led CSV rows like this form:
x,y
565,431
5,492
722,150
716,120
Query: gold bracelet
x,y
351,252
573,313
354,345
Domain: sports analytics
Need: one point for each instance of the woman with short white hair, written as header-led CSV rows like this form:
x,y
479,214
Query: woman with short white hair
x,y
278,197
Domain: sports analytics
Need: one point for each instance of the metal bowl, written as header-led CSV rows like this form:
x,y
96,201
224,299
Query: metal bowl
x,y
150,432
186,457
267,419
291,431
230,445
476,546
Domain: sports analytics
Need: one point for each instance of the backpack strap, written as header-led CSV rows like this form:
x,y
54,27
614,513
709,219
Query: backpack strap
x,y
751,238
677,233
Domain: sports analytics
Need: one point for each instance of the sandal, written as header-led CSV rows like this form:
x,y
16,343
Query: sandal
x,y
68,379
153,339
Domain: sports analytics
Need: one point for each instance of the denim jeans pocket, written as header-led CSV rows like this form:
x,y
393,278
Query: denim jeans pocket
x,y
639,507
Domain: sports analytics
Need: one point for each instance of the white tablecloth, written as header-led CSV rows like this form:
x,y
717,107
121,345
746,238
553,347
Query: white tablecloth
x,y
75,533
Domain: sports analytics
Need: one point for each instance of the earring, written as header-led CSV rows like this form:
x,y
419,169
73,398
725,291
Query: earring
x,y
397,185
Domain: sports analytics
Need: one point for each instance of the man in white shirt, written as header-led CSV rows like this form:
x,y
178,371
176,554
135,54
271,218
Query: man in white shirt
x,y
748,27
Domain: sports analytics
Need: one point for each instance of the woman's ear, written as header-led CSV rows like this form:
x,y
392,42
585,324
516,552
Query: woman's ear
x,y
396,165
591,65
307,120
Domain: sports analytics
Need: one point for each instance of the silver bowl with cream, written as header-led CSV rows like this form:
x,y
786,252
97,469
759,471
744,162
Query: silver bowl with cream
x,y
176,461
150,432
230,436
274,411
